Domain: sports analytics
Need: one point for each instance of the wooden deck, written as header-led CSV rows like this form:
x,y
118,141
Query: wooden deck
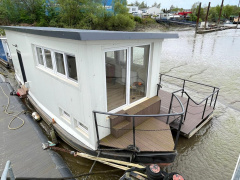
x,y
154,134
194,113
158,139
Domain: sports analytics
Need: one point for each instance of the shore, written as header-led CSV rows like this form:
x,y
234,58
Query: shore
x,y
157,27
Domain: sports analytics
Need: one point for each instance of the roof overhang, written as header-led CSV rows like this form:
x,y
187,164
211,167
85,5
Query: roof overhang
x,y
89,35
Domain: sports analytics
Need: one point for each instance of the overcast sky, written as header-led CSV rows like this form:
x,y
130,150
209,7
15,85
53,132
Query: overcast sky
x,y
186,4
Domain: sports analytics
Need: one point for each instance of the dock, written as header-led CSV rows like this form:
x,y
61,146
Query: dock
x,y
195,117
23,146
203,31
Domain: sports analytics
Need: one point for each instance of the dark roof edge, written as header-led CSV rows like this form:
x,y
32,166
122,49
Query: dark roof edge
x,y
89,35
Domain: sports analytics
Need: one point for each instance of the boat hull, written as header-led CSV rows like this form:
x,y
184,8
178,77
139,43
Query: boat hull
x,y
161,158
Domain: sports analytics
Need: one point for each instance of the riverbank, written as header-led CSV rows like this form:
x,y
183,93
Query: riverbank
x,y
163,27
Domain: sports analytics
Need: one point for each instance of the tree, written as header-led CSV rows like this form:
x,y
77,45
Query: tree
x,y
156,5
227,11
120,7
136,3
142,5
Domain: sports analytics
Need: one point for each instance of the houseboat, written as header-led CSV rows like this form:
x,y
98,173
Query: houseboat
x,y
100,90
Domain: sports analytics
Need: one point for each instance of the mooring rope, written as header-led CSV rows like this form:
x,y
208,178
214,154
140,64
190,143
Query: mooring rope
x,y
10,113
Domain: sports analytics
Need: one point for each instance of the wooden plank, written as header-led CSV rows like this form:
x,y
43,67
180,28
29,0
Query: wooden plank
x,y
160,139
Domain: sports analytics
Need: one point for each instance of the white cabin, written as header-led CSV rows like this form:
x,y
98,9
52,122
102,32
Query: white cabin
x,y
70,72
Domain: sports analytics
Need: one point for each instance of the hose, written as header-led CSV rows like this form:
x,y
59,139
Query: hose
x,y
10,114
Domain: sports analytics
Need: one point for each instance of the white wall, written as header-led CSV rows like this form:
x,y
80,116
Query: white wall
x,y
154,10
78,99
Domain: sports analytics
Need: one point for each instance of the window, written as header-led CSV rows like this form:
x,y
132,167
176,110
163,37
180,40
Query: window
x,y
81,127
71,65
40,56
48,58
126,76
140,54
60,63
66,116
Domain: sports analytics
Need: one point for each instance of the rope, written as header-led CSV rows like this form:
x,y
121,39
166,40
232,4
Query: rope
x,y
10,114
110,162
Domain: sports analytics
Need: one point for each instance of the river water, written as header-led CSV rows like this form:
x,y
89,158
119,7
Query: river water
x,y
213,59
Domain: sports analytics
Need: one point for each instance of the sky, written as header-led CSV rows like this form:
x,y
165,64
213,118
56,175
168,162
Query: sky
x,y
186,4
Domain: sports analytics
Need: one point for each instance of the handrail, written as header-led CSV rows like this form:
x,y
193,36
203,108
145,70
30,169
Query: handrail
x,y
7,170
187,80
202,100
215,91
148,115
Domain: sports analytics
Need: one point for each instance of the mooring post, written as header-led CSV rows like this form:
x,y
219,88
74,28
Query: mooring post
x,y
238,20
238,15
207,15
220,13
199,10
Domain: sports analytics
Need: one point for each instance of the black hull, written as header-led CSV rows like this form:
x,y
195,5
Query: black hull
x,y
162,158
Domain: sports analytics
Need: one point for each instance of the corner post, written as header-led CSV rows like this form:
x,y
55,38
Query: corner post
x,y
178,133
134,144
96,126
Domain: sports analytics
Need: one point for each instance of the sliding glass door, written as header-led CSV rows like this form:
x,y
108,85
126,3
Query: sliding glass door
x,y
126,75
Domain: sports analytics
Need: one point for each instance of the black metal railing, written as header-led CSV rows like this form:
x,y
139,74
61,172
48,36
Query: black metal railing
x,y
211,96
180,114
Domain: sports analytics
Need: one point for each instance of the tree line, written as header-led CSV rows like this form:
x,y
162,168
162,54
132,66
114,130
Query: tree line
x,y
81,14
227,11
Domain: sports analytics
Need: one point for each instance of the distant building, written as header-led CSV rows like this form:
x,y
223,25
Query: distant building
x,y
153,10
132,9
109,4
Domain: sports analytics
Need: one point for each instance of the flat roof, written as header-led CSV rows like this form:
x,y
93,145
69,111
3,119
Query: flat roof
x,y
89,35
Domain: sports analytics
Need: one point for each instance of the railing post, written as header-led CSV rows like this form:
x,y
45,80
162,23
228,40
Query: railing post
x,y
215,99
183,87
178,133
186,109
96,125
204,108
212,96
7,169
170,107
160,79
133,132
158,87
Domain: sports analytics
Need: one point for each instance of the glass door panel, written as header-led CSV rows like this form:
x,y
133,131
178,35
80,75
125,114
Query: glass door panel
x,y
116,73
139,72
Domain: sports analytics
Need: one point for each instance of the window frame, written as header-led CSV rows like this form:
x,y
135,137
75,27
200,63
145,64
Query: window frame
x,y
144,63
66,67
54,62
129,63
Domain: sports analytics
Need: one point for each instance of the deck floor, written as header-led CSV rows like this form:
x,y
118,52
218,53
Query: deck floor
x,y
160,139
193,116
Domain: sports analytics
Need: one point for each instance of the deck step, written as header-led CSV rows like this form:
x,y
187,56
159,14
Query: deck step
x,y
119,123
121,128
